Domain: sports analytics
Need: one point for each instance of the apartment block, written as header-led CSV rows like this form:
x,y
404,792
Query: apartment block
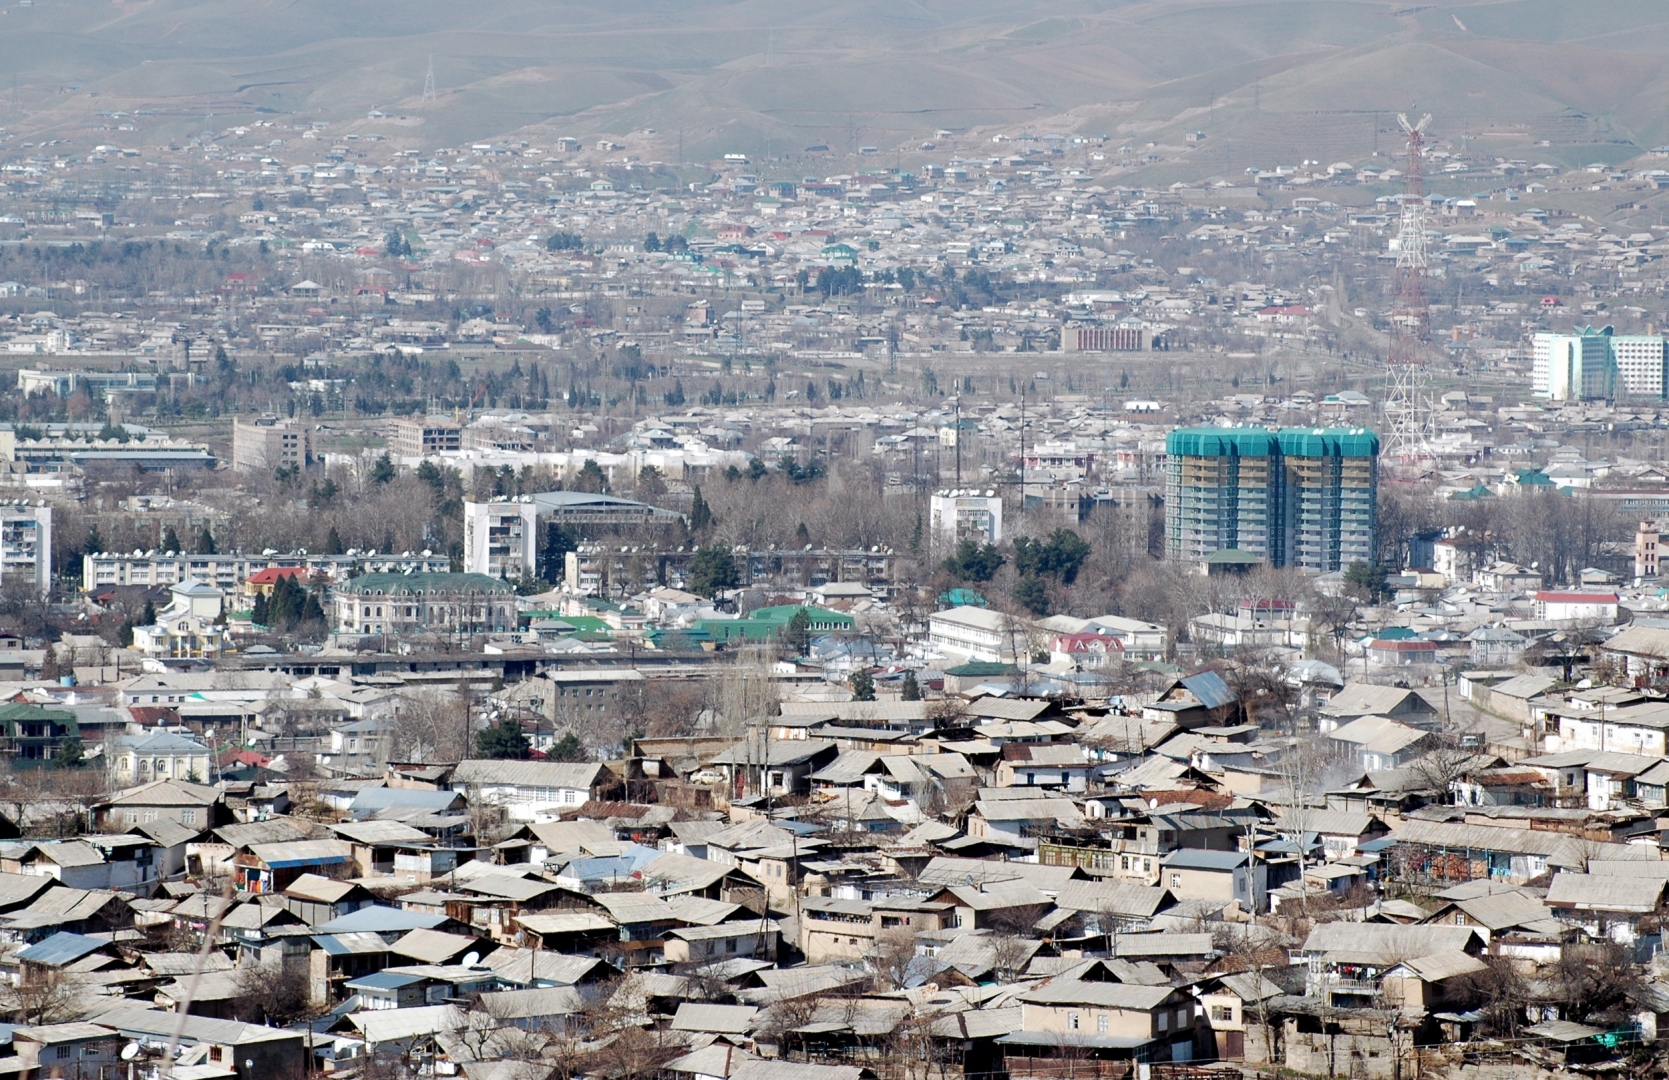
x,y
1304,498
502,538
1641,363
26,543
1574,367
423,437
267,443
228,571
959,514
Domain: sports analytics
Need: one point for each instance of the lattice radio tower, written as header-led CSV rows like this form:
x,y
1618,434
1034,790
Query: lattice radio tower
x,y
1408,406
429,80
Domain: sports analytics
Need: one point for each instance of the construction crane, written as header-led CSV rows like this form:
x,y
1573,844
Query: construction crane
x,y
457,414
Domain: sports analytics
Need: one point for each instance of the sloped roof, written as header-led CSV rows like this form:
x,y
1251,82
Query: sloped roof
x,y
488,772
1385,944
1596,892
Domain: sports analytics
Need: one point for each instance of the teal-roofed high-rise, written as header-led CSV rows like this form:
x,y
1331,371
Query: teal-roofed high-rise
x,y
1301,497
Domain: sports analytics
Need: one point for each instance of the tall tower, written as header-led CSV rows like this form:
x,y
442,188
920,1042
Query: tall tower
x,y
1408,403
429,80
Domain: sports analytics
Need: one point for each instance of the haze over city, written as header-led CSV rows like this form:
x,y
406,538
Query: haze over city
x,y
833,541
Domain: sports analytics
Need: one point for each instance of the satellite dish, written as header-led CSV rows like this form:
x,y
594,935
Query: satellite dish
x,y
471,959
130,1051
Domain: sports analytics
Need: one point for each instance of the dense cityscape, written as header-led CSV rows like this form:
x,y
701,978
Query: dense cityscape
x,y
549,608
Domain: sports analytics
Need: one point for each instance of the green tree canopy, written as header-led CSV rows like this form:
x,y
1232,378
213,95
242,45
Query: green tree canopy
x,y
712,570
1061,556
1366,581
909,688
1033,595
591,478
568,748
973,561
796,636
382,469
503,740
862,684
71,754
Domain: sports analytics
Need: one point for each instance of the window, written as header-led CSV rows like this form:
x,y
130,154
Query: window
x,y
1072,1021
1164,1021
188,817
1225,1013
1066,778
1101,1023
64,1051
1176,881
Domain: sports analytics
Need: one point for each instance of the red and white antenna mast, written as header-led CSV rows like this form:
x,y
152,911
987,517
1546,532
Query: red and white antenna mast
x,y
1407,405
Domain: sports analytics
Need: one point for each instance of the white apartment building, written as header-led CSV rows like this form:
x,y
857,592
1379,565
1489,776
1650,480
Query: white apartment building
x,y
228,572
975,633
502,539
966,513
26,543
1573,367
1641,362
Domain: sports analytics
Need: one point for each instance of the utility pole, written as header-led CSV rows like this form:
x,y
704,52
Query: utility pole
x,y
958,438
1022,454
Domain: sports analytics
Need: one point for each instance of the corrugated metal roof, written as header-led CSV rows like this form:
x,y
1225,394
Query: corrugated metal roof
x,y
723,1019
60,949
1595,892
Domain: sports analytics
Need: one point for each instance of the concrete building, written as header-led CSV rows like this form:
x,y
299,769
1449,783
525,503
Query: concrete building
x,y
231,570
1302,497
424,437
966,513
1574,367
424,603
26,543
1129,336
976,633
502,539
1647,550
267,443
1641,363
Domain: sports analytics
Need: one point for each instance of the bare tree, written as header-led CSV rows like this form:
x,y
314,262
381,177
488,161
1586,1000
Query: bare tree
x,y
428,725
276,996
894,957
45,996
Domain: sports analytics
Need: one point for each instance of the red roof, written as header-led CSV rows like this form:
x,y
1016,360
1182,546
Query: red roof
x,y
272,575
1088,642
1576,597
146,715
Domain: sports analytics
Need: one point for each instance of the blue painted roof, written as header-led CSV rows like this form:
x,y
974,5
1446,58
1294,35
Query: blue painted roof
x,y
380,919
382,980
61,948
1200,859
381,798
1210,688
